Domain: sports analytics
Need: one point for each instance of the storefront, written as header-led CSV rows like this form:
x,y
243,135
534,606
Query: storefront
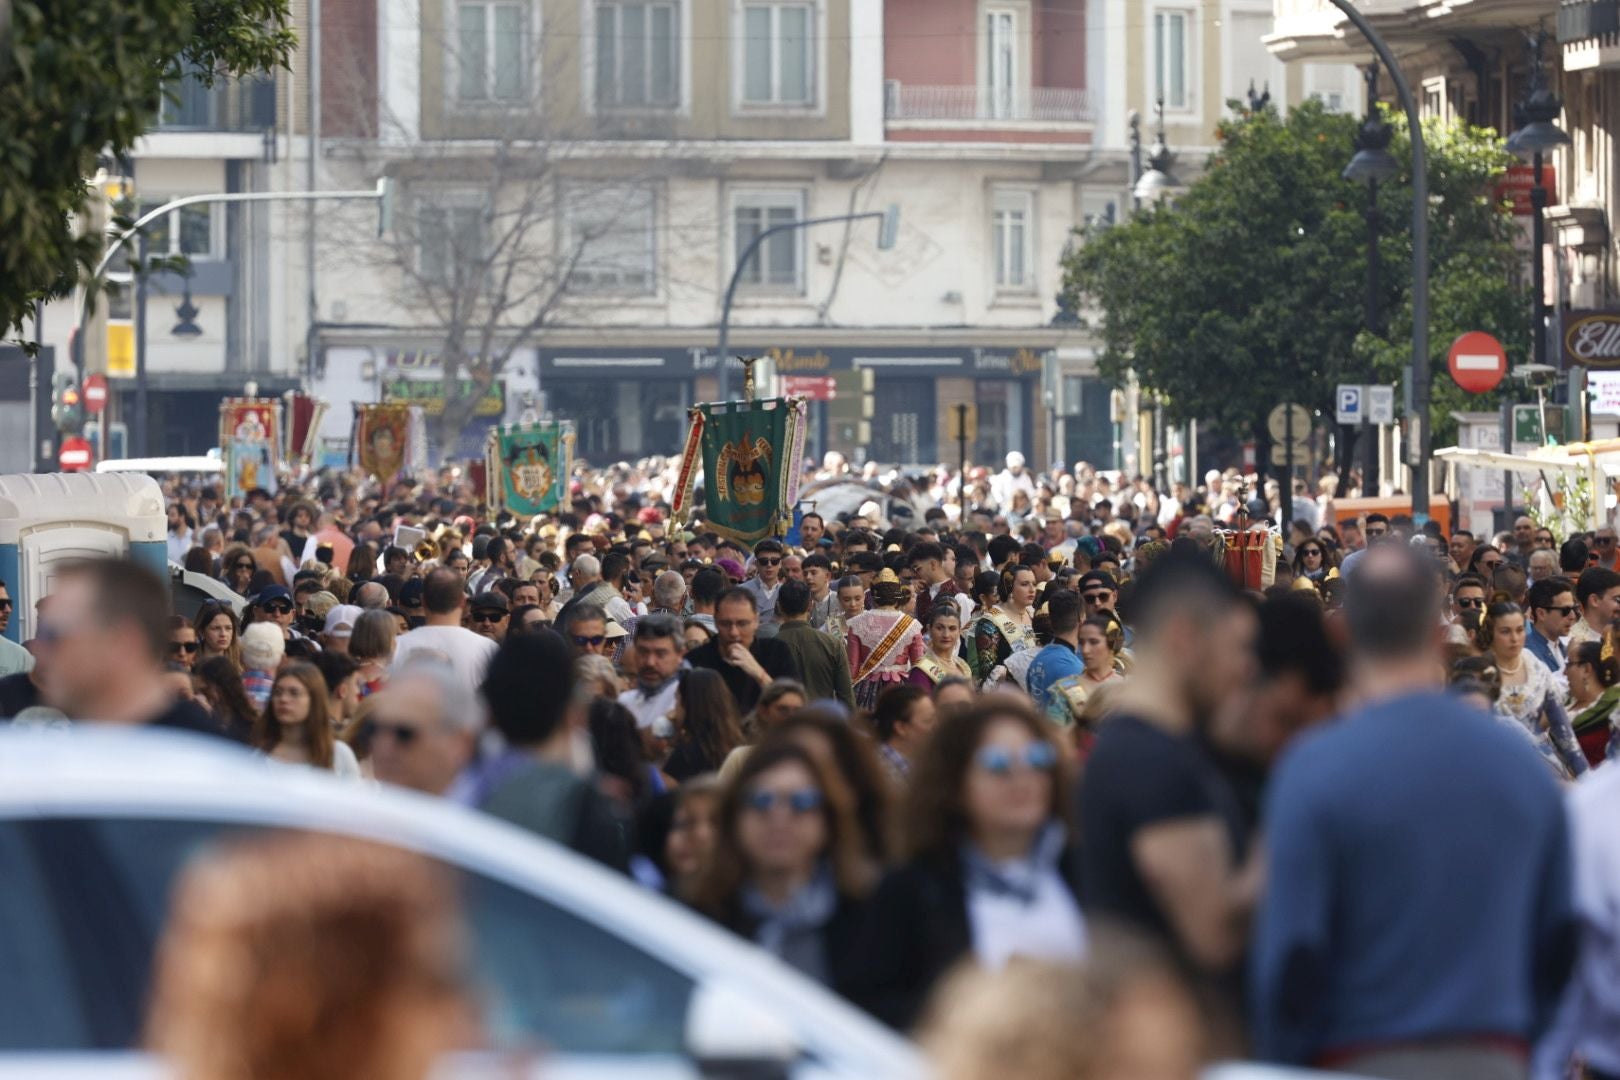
x,y
632,402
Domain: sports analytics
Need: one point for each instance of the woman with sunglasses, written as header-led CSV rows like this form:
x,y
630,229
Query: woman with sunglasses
x,y
218,633
183,645
1313,559
990,875
787,871
1594,693
237,567
295,727
1530,694
1485,561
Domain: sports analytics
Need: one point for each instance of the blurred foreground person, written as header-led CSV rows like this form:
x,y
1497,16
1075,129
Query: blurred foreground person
x,y
544,780
102,644
302,957
1417,920
1120,1016
1164,841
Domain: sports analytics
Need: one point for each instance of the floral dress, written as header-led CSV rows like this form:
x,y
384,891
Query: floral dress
x,y
1535,700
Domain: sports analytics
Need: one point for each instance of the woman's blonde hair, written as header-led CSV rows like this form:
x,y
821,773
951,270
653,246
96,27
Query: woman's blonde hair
x,y
308,957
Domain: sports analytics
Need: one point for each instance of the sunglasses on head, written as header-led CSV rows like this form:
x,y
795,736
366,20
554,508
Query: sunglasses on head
x,y
999,761
187,647
582,641
488,616
803,801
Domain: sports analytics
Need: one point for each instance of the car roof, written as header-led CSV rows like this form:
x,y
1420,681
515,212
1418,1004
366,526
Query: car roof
x,y
92,770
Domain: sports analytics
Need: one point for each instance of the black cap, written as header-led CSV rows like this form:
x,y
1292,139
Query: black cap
x,y
490,600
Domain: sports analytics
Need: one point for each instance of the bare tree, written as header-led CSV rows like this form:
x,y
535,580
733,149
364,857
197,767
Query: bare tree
x,y
524,225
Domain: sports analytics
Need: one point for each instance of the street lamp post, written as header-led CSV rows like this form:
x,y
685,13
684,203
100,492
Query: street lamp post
x,y
1156,184
1420,261
886,239
1538,135
382,193
1371,164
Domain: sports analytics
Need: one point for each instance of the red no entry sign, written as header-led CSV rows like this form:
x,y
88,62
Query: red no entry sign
x,y
95,394
74,455
1477,361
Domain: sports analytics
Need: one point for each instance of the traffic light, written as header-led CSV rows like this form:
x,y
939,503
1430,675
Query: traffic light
x,y
849,413
67,404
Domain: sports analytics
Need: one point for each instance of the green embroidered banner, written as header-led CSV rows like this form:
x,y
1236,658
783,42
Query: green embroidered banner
x,y
529,466
748,455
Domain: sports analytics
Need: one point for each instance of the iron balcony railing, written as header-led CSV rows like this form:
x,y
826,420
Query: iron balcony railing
x,y
1043,104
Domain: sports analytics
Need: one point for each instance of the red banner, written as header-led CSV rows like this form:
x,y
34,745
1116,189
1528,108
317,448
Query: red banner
x,y
1515,185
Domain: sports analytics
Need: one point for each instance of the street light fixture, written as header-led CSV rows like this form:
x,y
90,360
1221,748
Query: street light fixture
x,y
1538,134
1156,184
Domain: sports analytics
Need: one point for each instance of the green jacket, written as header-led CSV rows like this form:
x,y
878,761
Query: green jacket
x,y
822,659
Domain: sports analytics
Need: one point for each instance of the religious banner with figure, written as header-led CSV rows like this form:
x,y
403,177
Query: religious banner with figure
x,y
749,453
528,466
250,440
382,437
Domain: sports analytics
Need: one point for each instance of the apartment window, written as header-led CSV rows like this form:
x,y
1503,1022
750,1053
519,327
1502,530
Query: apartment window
x,y
778,54
610,230
1001,62
1012,215
637,55
778,264
490,51
1171,80
187,231
452,238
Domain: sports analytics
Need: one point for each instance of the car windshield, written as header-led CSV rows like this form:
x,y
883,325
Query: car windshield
x,y
85,902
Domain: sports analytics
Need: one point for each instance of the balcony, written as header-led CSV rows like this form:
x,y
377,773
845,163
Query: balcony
x,y
980,106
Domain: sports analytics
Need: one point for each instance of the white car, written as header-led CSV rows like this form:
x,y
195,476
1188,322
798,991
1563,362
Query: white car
x,y
608,978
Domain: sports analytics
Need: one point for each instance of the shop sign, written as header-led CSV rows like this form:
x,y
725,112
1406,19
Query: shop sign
x,y
1591,339
429,394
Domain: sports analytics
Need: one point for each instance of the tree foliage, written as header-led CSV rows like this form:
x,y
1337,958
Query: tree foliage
x,y
79,78
1250,289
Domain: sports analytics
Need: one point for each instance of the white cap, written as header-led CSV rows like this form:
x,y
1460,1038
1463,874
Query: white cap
x,y
1015,460
340,620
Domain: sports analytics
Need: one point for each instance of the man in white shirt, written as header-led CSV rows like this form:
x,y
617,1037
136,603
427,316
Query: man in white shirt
x,y
444,594
657,659
1014,478
180,533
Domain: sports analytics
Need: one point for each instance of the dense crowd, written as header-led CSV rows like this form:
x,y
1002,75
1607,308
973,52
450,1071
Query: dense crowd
x,y
1336,809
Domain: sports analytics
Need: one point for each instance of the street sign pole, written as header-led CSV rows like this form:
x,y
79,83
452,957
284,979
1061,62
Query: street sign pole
x,y
1288,472
1507,448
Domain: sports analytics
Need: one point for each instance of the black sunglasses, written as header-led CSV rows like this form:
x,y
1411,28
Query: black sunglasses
x,y
277,607
582,641
488,616
1095,594
5,605
767,560
1566,610
1470,602
183,646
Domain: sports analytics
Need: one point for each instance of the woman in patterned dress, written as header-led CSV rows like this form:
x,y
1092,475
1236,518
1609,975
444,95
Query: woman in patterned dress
x,y
942,660
1530,694
1007,628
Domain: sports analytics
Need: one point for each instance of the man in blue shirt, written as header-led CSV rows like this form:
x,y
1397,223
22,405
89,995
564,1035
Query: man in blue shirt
x,y
1061,658
1418,917
1552,616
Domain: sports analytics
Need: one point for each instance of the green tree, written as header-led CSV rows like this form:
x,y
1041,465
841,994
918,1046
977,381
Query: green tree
x,y
80,78
1250,289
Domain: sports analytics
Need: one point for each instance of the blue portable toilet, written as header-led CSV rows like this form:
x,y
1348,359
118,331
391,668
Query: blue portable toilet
x,y
48,519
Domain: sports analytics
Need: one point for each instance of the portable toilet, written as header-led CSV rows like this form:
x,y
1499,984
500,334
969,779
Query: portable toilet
x,y
49,519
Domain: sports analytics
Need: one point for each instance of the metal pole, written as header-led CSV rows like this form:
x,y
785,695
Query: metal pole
x,y
748,253
137,426
1369,466
1538,267
34,455
1507,448
961,472
1287,491
1420,261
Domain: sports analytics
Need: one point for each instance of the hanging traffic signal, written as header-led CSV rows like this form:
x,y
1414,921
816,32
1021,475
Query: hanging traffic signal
x,y
67,403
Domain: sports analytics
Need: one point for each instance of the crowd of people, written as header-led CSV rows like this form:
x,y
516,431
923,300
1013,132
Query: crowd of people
x,y
1339,814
